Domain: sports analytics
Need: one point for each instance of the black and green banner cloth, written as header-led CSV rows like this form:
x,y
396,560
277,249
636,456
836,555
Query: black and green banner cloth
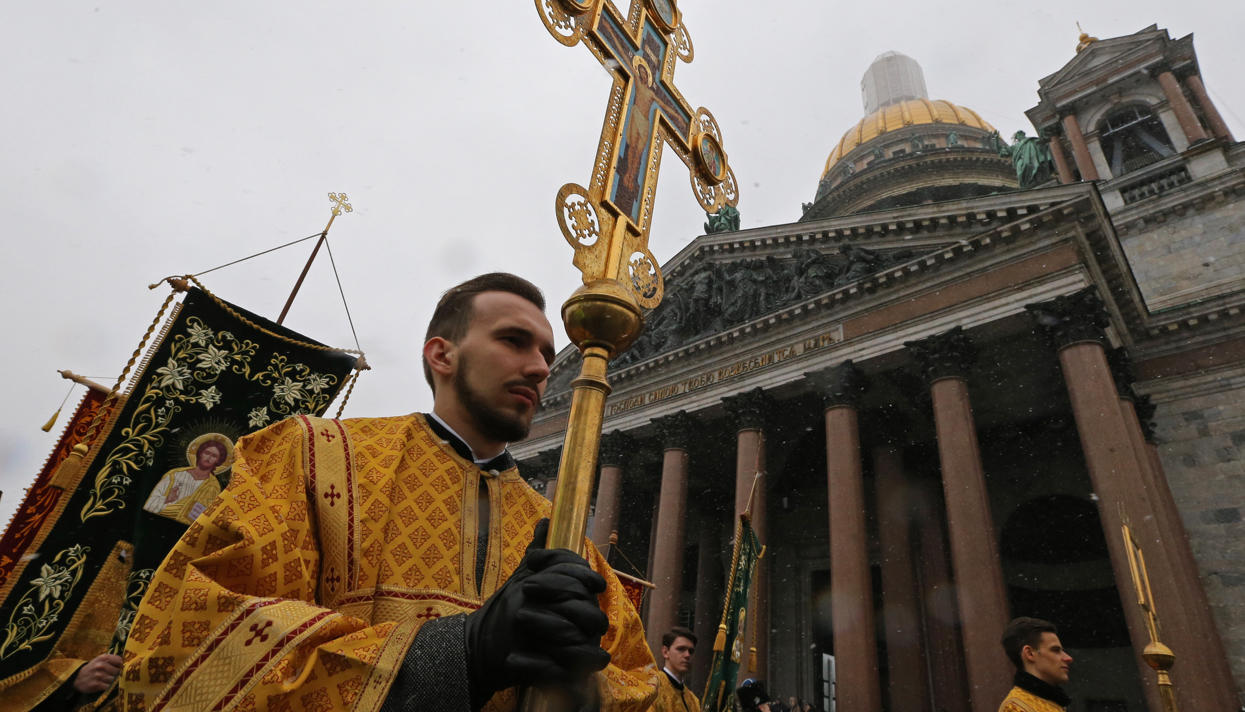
x,y
215,373
720,689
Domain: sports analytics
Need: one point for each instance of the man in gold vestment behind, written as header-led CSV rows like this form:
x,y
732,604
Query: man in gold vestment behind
x,y
678,645
1042,666
393,564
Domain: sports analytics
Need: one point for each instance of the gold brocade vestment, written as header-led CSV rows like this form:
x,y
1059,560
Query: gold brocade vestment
x,y
671,699
1019,700
304,585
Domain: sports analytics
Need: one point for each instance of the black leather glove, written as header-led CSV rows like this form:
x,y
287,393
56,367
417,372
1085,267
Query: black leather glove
x,y
542,627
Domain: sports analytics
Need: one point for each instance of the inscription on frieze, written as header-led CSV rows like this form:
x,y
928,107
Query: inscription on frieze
x,y
755,362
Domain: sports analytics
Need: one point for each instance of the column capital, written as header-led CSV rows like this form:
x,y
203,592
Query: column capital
x,y
675,430
615,446
945,355
749,409
1071,318
1145,415
841,385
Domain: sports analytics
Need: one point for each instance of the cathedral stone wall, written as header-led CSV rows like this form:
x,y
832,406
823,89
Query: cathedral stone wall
x,y
1185,257
1200,428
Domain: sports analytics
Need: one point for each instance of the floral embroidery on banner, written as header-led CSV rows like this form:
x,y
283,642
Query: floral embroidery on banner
x,y
39,608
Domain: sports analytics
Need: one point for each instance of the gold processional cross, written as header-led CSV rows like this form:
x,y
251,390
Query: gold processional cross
x,y
607,223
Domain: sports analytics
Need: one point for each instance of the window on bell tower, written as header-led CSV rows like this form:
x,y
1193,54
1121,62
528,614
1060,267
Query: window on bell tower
x,y
1133,137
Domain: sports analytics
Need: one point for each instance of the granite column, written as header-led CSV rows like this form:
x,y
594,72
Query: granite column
x,y
851,582
1218,127
980,592
901,607
614,448
1080,150
663,607
1180,105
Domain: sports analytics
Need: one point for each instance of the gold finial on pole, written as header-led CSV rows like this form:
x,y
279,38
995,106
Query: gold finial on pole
x,y
339,206
1156,654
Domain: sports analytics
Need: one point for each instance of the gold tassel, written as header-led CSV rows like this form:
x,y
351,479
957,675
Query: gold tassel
x,y
719,643
51,421
752,660
69,470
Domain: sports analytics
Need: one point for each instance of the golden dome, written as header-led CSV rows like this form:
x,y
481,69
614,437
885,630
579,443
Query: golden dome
x,y
897,116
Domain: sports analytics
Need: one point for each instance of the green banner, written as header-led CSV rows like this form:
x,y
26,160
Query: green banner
x,y
215,373
730,647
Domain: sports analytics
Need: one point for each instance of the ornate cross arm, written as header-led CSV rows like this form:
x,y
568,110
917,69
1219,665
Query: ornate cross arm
x,y
608,222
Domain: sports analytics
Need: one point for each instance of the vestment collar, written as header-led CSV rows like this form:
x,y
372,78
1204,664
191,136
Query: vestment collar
x,y
1042,689
498,464
678,685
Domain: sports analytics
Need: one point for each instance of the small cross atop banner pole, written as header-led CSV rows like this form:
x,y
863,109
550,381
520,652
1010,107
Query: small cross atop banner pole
x,y
607,223
339,206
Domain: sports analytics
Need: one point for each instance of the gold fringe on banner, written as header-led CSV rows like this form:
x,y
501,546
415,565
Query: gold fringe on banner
x,y
752,659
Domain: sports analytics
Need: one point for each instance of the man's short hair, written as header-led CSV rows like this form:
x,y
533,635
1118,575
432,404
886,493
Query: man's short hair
x,y
1021,632
452,316
677,632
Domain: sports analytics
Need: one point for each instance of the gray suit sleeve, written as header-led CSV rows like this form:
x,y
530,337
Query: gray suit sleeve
x,y
434,673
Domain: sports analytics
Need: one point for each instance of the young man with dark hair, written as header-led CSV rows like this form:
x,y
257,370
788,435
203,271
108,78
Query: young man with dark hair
x,y
1042,665
394,564
678,646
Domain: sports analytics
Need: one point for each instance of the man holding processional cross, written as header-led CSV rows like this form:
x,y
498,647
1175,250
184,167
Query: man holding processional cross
x,y
397,563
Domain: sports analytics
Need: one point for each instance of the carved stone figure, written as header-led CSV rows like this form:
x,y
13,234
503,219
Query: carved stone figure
x,y
703,302
814,273
714,296
861,262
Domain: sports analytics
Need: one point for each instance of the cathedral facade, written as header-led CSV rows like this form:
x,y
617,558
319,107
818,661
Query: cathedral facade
x,y
972,381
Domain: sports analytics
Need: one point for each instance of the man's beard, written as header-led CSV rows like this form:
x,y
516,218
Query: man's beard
x,y
493,423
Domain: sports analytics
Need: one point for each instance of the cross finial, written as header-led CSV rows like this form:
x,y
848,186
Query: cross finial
x,y
339,203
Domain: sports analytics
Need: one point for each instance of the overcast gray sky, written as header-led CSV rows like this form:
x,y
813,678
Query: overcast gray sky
x,y
148,138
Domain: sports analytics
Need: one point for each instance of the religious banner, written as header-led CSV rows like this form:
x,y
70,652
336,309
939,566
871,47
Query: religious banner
x,y
634,587
41,497
160,454
729,646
